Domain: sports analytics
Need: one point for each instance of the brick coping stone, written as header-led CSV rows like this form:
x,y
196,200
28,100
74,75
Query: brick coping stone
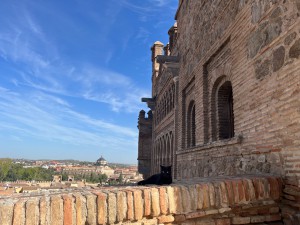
x,y
247,199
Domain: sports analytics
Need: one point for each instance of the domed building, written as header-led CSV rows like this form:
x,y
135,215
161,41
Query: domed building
x,y
101,162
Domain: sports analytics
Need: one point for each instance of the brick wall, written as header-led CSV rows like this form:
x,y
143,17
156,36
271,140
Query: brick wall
x,y
214,201
254,45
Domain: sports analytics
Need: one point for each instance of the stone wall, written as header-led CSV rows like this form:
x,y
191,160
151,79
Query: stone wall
x,y
217,201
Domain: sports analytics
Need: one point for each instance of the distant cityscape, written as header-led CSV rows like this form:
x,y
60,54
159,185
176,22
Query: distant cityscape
x,y
36,176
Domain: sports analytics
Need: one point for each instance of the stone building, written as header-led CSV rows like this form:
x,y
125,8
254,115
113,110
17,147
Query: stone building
x,y
226,90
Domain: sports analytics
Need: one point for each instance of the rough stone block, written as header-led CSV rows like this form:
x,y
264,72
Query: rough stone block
x,y
171,200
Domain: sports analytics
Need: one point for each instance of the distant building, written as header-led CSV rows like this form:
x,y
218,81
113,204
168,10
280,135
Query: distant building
x,y
101,162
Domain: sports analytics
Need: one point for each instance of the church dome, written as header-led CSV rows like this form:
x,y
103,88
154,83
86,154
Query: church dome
x,y
101,161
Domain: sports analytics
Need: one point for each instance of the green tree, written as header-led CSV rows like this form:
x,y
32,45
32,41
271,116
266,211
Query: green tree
x,y
5,166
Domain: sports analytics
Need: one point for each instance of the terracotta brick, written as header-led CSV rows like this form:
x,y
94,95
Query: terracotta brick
x,y
155,202
165,219
45,210
274,188
138,204
246,190
194,215
171,200
56,210
130,208
225,221
32,212
223,195
206,201
69,210
81,210
235,189
257,188
101,207
241,190
147,201
252,195
179,218
121,206
19,212
229,192
163,201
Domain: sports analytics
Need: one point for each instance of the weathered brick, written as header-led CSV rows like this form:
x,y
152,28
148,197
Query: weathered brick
x,y
6,211
200,197
186,201
171,200
45,210
147,201
229,192
32,212
155,202
165,219
130,207
69,210
91,209
163,201
240,220
212,197
178,199
224,221
121,206
112,207
206,201
81,210
19,212
56,210
138,204
101,207
257,219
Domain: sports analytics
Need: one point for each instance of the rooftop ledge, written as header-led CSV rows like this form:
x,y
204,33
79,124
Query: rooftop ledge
x,y
209,201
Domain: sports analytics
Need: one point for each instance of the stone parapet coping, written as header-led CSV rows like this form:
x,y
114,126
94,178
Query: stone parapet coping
x,y
221,200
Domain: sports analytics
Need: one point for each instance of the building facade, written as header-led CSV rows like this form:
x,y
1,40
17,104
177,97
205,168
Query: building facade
x,y
226,90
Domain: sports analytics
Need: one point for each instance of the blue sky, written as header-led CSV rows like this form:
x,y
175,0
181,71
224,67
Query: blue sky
x,y
72,74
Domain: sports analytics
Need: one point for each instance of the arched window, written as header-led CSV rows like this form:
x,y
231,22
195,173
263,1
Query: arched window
x,y
225,111
191,125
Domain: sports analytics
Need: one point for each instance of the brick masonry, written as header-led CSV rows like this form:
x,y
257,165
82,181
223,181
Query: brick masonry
x,y
213,201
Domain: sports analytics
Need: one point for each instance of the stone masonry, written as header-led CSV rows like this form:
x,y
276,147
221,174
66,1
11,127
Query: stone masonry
x,y
225,93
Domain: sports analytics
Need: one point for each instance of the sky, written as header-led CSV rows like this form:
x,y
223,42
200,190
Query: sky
x,y
72,74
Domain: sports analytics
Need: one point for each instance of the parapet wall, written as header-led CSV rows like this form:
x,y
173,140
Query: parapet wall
x,y
213,201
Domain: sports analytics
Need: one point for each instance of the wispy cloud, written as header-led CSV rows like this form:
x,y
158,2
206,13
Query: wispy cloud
x,y
51,118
